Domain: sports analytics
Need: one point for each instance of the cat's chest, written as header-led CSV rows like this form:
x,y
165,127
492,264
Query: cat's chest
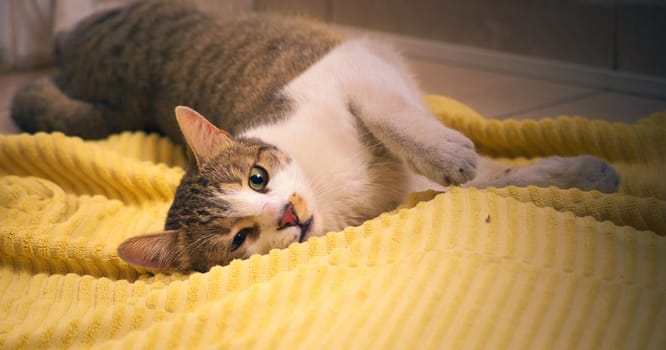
x,y
323,139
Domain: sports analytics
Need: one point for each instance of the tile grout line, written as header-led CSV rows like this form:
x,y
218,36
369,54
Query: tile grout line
x,y
577,97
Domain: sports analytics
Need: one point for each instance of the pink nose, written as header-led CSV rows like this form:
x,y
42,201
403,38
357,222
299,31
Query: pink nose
x,y
289,217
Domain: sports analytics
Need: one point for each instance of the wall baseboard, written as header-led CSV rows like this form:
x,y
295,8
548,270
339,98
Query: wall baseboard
x,y
538,68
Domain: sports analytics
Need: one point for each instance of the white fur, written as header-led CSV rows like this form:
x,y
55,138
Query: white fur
x,y
322,136
583,172
265,209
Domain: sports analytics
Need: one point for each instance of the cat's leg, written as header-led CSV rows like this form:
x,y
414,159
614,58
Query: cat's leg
x,y
583,172
381,94
42,106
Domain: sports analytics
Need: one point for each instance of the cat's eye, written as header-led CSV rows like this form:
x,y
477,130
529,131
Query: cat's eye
x,y
258,178
239,238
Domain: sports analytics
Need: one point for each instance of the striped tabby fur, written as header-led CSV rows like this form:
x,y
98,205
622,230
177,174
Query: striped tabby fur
x,y
301,131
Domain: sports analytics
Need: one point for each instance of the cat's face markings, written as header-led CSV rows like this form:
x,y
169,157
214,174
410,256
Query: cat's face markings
x,y
275,198
245,197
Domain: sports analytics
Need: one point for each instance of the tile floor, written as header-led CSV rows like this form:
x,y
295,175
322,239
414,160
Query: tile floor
x,y
501,95
493,94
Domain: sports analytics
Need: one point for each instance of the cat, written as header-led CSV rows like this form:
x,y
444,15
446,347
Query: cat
x,y
293,130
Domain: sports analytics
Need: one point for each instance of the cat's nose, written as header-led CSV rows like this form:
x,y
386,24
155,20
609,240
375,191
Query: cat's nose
x,y
289,217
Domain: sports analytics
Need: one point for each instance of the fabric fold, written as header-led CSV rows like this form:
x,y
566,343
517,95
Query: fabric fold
x,y
496,268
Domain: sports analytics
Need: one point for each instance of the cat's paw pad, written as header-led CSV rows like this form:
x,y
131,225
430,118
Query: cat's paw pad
x,y
450,161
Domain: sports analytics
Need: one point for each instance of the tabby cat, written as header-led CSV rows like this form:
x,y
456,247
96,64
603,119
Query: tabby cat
x,y
306,132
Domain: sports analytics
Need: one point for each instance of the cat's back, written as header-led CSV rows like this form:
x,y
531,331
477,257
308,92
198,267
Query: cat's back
x,y
167,28
164,53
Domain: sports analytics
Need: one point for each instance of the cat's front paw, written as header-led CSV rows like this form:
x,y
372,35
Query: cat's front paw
x,y
449,161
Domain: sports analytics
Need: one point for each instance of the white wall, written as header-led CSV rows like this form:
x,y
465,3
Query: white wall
x,y
27,28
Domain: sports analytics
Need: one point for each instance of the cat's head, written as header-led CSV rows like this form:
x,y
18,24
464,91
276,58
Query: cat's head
x,y
243,197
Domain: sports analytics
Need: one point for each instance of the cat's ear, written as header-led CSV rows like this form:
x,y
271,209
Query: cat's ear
x,y
204,139
154,251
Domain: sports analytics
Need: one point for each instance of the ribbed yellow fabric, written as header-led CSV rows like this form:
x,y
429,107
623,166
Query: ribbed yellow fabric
x,y
502,268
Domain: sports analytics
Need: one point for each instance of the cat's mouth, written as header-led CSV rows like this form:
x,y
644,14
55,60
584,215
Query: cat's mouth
x,y
305,227
290,219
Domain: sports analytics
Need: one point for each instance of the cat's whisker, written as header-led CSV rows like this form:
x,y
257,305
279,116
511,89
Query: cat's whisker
x,y
201,241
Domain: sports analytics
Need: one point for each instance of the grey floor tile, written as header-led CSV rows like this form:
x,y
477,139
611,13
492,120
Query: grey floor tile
x,y
492,94
601,105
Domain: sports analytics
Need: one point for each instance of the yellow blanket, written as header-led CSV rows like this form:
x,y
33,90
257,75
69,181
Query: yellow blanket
x,y
512,268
